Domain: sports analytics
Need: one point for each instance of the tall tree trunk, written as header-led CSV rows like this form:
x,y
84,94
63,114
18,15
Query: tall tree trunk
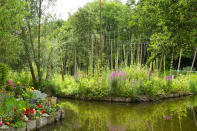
x,y
48,64
32,44
171,63
136,57
160,66
101,39
64,64
144,56
164,65
92,57
138,51
193,61
131,50
111,55
124,52
39,46
117,59
62,71
75,66
179,64
141,53
28,57
135,53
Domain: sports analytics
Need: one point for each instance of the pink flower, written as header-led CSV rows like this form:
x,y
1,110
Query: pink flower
x,y
1,123
168,77
10,81
11,84
14,87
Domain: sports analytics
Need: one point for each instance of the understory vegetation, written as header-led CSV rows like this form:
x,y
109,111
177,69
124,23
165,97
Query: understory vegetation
x,y
130,82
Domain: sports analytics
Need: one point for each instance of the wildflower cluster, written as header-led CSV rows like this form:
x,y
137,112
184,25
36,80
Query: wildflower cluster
x,y
117,75
116,78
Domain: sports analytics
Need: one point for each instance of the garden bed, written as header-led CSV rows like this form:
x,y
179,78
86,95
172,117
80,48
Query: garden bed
x,y
25,108
37,123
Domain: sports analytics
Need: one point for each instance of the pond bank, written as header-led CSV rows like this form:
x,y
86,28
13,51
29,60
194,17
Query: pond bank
x,y
141,98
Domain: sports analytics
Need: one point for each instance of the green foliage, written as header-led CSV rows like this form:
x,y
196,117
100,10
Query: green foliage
x,y
9,102
22,77
12,13
192,83
130,82
18,124
3,73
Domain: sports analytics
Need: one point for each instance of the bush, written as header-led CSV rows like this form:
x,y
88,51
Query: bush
x,y
3,73
23,76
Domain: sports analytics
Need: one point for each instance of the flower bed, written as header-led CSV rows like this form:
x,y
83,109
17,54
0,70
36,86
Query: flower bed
x,y
23,107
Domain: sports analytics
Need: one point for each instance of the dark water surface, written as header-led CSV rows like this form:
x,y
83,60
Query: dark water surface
x,y
169,115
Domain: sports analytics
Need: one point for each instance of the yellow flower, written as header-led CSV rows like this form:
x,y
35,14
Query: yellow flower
x,y
18,82
30,90
33,88
7,123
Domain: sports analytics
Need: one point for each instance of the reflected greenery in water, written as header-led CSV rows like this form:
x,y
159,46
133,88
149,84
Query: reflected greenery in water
x,y
94,116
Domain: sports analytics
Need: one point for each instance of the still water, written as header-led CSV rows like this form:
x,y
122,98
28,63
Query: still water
x,y
169,115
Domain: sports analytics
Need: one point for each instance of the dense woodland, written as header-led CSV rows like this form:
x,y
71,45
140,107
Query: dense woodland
x,y
161,34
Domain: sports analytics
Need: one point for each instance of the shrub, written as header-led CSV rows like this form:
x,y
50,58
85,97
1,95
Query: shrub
x,y
3,73
23,76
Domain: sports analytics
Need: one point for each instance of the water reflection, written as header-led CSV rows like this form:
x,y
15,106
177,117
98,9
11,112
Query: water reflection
x,y
170,115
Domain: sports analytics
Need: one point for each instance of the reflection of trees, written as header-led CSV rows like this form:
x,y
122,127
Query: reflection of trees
x,y
97,116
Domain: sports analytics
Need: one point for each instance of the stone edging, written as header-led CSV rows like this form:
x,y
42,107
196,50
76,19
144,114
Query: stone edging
x,y
38,123
142,98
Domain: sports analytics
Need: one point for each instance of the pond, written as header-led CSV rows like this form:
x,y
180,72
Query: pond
x,y
169,115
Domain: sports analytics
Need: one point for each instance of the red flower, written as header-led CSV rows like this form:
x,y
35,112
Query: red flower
x,y
27,113
15,110
43,112
32,111
39,106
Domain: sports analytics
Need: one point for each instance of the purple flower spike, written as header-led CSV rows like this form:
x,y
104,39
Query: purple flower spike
x,y
149,72
117,75
168,77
